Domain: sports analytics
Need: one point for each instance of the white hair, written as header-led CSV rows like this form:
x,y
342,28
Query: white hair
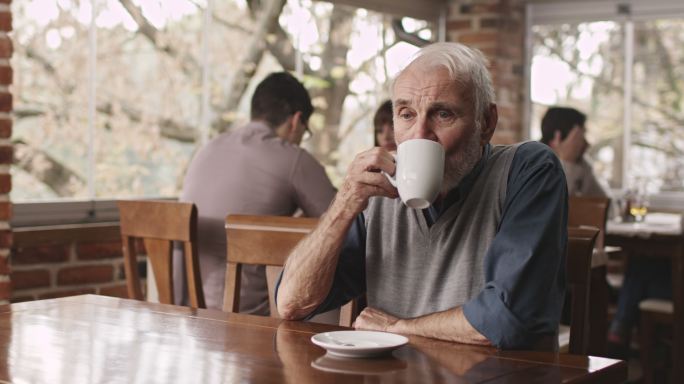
x,y
465,65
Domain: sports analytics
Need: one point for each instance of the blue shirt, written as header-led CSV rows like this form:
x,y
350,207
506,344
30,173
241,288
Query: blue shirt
x,y
516,269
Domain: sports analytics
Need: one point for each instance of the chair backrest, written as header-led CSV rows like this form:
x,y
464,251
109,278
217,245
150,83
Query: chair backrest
x,y
264,240
159,224
578,268
591,212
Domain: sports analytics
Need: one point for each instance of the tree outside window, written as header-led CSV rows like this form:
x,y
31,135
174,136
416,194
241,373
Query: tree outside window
x,y
170,74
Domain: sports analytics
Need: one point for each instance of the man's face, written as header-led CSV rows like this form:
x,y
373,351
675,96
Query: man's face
x,y
429,105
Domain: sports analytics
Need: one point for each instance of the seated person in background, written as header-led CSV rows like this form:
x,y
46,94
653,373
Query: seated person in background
x,y
563,130
384,127
258,169
484,264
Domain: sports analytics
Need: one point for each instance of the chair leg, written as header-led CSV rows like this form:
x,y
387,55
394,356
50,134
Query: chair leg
x,y
646,332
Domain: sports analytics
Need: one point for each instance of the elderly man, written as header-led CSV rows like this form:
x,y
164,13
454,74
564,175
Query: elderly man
x,y
484,264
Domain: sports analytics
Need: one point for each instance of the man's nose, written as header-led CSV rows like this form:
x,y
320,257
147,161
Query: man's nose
x,y
422,129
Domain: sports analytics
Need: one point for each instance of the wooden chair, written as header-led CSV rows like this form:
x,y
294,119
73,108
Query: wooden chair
x,y
593,212
265,240
578,267
159,224
654,313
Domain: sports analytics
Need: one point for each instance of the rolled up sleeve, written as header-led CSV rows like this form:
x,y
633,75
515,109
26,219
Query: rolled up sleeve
x,y
525,264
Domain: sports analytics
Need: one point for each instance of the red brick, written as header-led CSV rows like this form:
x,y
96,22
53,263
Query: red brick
x,y
95,251
5,210
5,238
115,291
490,22
6,48
489,52
73,292
4,266
5,184
6,75
479,8
85,275
34,278
6,153
459,25
5,128
5,290
40,254
5,102
478,38
5,21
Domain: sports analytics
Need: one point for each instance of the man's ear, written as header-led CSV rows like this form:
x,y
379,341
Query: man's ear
x,y
293,123
489,124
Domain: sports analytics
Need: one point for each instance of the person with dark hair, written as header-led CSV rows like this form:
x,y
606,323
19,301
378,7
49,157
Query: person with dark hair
x,y
384,127
258,169
563,129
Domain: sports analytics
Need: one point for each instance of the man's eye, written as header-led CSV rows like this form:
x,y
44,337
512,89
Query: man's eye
x,y
444,114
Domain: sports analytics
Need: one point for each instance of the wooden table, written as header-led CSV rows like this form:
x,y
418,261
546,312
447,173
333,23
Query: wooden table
x,y
92,339
660,236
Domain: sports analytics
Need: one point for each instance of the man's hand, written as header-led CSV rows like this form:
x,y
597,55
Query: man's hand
x,y
375,320
448,325
571,149
364,180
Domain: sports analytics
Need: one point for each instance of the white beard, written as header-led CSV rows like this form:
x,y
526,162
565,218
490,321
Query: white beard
x,y
456,167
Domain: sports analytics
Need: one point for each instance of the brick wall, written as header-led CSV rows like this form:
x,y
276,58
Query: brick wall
x,y
5,148
497,28
67,260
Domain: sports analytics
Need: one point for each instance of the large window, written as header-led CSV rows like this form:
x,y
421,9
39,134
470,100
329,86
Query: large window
x,y
112,97
624,66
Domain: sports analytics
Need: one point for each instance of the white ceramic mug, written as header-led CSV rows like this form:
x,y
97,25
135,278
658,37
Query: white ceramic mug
x,y
419,173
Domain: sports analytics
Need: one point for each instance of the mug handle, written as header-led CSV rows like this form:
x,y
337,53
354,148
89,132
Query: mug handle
x,y
391,179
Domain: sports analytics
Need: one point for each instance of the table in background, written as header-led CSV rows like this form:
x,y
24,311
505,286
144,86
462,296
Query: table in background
x,y
661,236
100,339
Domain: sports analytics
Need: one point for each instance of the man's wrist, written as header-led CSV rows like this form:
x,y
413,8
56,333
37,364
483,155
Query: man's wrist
x,y
399,326
342,209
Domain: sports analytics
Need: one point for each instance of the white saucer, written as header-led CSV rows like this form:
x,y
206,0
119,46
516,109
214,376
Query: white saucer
x,y
358,343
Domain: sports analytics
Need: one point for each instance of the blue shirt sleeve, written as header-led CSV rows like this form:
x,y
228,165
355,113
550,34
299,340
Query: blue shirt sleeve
x,y
350,275
525,264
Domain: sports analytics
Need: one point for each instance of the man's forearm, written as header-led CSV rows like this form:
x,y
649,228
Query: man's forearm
x,y
310,268
450,325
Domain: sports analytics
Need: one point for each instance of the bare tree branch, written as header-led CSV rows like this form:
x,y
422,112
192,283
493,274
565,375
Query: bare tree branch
x,y
149,31
168,128
58,177
665,112
268,19
350,126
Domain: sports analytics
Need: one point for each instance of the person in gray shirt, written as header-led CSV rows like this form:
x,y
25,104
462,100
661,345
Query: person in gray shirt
x,y
485,264
563,129
258,169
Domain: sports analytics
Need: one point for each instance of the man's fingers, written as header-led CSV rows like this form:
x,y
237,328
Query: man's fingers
x,y
373,160
376,184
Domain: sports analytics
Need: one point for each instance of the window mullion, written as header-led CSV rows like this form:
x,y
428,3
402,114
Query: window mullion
x,y
627,105
92,96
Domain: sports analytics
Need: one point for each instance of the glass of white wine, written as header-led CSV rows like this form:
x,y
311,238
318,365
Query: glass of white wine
x,y
639,207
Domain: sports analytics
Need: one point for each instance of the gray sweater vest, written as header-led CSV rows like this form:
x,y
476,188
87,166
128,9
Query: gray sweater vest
x,y
412,269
